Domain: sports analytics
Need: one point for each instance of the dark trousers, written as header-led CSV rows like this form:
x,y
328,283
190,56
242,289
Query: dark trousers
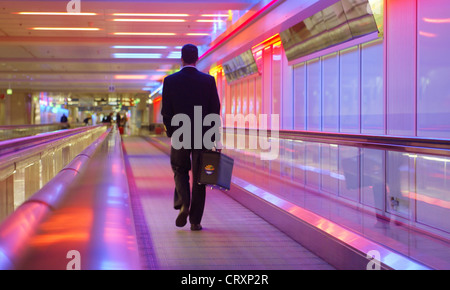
x,y
180,159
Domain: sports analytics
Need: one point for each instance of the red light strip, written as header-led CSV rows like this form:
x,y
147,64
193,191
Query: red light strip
x,y
236,30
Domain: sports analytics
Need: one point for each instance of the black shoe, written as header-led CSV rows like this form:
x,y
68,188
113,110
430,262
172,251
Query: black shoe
x,y
196,227
182,217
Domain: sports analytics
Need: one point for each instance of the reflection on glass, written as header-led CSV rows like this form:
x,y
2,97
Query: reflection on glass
x,y
338,23
359,17
240,66
400,200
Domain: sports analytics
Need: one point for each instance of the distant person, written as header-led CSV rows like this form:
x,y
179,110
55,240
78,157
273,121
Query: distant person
x,y
182,91
64,122
108,119
86,121
122,123
118,119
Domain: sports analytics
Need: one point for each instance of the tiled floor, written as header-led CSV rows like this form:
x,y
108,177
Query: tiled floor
x,y
233,238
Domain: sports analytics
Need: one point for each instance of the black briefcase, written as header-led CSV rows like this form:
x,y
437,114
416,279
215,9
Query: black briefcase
x,y
215,170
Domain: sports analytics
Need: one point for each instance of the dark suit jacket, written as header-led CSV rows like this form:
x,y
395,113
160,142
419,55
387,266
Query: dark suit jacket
x,y
185,89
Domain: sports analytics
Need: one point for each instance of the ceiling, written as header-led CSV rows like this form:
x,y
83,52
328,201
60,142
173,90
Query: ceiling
x,y
118,47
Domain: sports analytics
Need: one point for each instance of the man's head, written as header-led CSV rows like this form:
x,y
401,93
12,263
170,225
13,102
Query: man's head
x,y
189,54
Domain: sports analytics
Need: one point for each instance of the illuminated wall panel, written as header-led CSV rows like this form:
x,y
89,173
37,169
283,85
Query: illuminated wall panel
x,y
233,99
238,93
349,91
267,81
314,96
251,96
433,69
372,95
258,95
276,78
244,97
300,97
228,99
330,93
287,93
223,101
401,43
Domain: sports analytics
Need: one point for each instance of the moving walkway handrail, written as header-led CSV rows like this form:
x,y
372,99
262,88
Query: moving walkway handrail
x,y
11,127
422,145
101,226
30,150
17,131
17,144
17,229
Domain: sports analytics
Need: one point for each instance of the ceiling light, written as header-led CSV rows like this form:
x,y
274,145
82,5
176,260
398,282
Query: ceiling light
x,y
214,15
130,77
150,14
152,84
57,13
197,34
209,20
174,54
66,28
139,47
137,55
149,20
145,33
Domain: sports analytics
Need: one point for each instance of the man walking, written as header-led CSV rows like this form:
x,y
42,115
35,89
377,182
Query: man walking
x,y
182,93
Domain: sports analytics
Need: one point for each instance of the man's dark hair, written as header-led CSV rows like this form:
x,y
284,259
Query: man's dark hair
x,y
189,53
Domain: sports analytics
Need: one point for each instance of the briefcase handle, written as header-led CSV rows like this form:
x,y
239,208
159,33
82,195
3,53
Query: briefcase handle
x,y
217,147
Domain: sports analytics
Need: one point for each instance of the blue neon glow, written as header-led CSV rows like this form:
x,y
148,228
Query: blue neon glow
x,y
5,262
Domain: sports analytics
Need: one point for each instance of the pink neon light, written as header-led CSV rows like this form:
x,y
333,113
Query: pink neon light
x,y
236,30
436,20
427,34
